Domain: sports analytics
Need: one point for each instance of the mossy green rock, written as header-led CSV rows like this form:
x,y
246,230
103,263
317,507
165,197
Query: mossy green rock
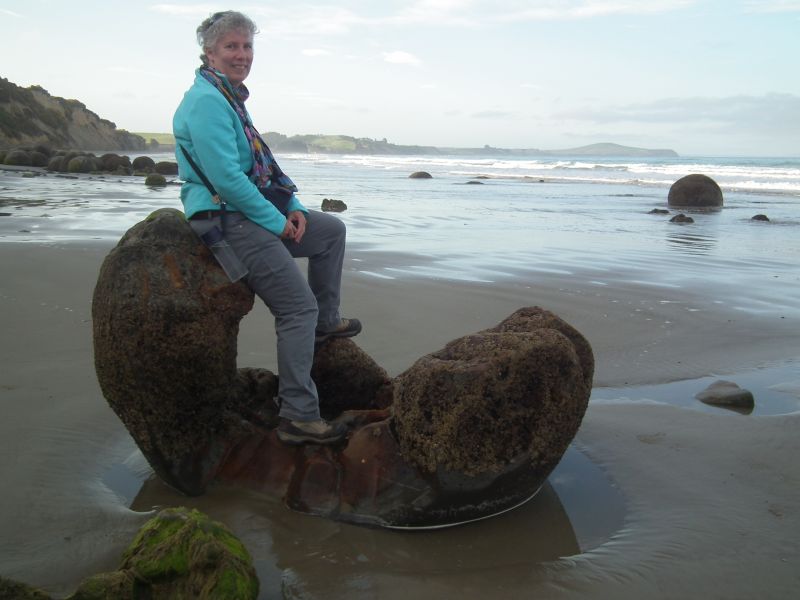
x,y
38,159
155,180
82,164
118,585
14,590
180,553
18,158
56,164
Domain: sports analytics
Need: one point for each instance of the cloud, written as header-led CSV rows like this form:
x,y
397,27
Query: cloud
x,y
492,114
772,6
587,9
442,12
778,113
10,13
328,18
315,52
185,10
473,13
307,20
398,57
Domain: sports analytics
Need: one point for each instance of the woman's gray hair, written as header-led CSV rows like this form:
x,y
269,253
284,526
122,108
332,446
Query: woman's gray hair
x,y
219,24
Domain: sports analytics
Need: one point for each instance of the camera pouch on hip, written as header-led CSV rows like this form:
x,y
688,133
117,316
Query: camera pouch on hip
x,y
278,195
215,241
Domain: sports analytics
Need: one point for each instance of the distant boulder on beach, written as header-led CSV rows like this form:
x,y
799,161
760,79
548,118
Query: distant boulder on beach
x,y
144,164
728,394
420,175
155,180
18,158
695,191
333,205
166,167
681,218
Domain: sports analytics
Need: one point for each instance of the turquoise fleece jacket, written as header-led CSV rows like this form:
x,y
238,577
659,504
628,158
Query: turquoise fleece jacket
x,y
210,130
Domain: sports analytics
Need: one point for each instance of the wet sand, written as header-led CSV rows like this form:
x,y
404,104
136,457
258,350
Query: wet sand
x,y
711,499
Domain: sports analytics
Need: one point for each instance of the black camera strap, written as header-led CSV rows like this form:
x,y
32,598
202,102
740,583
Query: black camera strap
x,y
214,195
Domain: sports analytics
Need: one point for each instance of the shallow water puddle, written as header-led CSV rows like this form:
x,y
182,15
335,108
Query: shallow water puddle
x,y
578,509
776,390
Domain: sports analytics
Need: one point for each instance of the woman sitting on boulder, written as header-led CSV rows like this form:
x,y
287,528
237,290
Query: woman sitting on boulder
x,y
232,182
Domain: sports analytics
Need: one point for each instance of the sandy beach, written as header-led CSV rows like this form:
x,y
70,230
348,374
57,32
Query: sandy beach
x,y
711,500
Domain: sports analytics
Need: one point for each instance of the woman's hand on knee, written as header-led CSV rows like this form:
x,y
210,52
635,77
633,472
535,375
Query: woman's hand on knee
x,y
295,226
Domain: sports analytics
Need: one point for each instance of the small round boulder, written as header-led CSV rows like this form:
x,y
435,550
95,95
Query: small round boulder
x,y
18,158
695,191
681,218
111,162
82,164
166,167
420,175
38,159
333,205
144,164
155,180
56,164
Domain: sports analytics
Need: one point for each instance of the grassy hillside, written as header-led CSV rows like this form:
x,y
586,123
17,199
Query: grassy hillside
x,y
162,138
31,116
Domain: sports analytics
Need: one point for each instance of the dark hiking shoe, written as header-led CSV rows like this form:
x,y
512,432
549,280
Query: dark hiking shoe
x,y
310,432
346,328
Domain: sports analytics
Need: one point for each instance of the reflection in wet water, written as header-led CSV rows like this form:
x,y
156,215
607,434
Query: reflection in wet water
x,y
691,243
303,556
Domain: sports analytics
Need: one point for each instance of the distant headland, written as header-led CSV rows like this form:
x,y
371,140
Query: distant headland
x,y
31,116
343,144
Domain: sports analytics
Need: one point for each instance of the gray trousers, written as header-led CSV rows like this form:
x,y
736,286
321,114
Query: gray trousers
x,y
299,306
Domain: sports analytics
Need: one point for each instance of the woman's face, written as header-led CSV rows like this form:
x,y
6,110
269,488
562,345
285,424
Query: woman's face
x,y
232,55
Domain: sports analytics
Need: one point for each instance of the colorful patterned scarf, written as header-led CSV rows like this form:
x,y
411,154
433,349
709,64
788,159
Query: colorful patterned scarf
x,y
265,167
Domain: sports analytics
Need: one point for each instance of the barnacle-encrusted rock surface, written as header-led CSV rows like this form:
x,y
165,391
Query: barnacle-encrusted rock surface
x,y
166,322
517,390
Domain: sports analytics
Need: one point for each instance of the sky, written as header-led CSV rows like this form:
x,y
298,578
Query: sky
x,y
704,78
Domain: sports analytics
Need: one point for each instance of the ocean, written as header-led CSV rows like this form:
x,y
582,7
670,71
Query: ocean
x,y
487,218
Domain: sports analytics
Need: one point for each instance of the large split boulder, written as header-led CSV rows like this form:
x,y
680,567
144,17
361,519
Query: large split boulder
x,y
469,431
165,321
695,191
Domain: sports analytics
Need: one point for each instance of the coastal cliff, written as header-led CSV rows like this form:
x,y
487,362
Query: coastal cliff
x,y
31,116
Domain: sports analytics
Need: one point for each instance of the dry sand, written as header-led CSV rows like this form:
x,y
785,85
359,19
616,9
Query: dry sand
x,y
712,499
